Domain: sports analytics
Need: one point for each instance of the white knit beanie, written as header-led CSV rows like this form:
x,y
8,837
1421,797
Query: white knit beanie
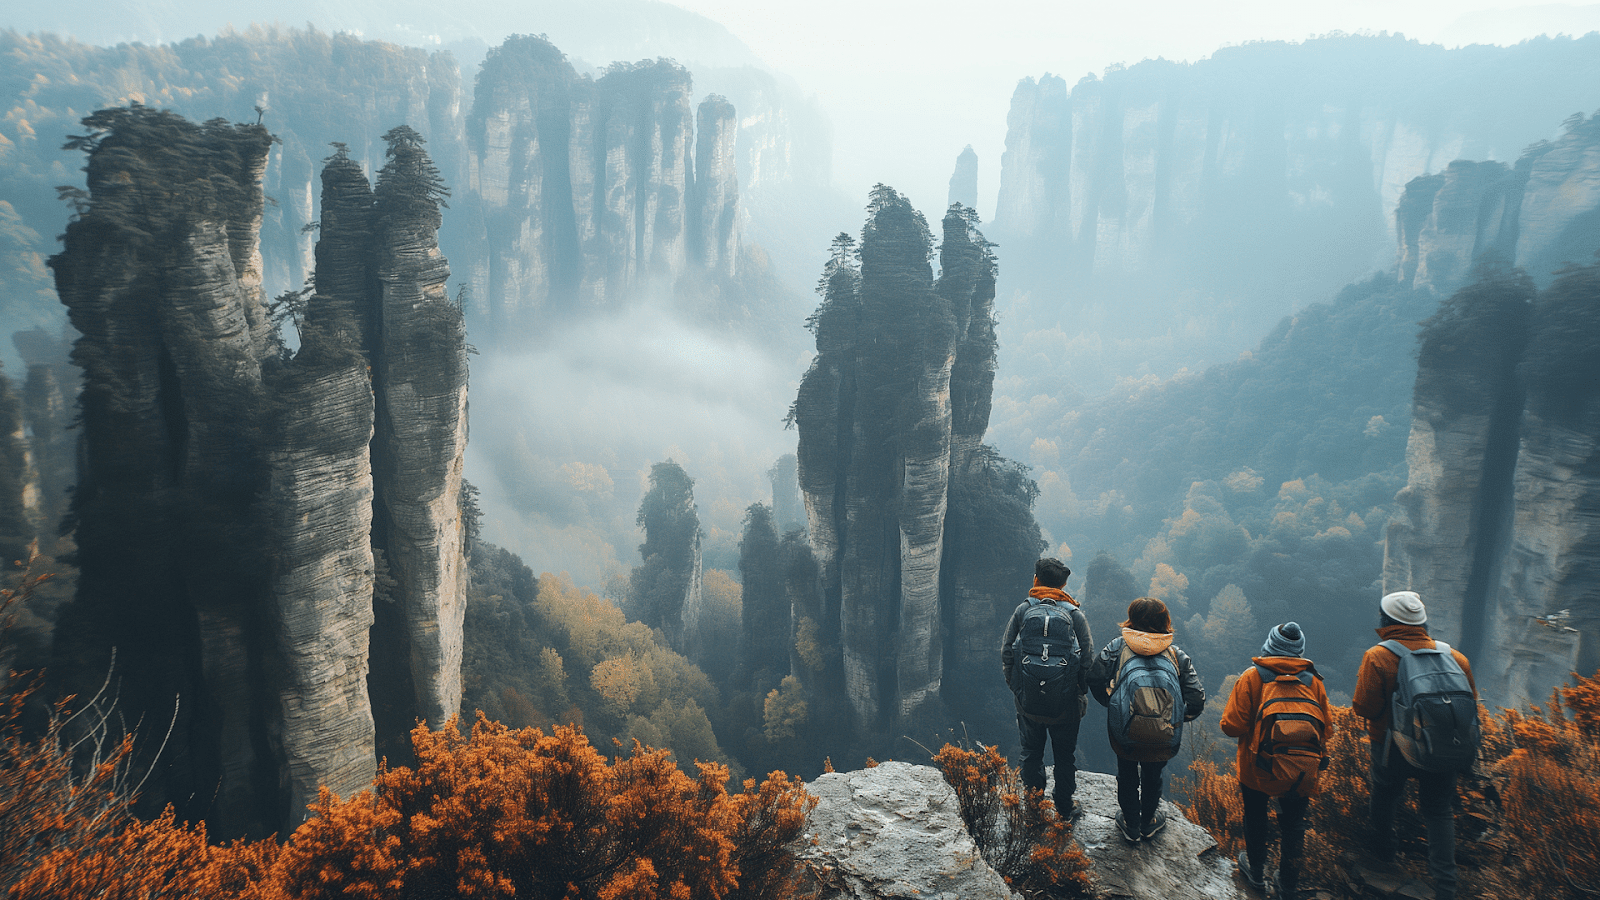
x,y
1404,607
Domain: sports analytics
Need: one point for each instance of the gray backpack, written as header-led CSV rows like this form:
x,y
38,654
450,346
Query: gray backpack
x,y
1433,717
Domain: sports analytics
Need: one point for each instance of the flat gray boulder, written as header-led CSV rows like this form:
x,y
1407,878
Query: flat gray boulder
x,y
1182,861
891,831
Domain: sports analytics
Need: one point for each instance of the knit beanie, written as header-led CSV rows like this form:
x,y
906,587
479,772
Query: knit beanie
x,y
1404,607
1284,640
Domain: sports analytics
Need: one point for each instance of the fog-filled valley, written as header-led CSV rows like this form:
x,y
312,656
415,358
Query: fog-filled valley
x,y
556,364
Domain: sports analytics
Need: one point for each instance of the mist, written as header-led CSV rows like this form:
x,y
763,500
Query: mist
x,y
563,437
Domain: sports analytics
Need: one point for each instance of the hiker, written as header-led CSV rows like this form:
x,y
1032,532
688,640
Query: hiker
x,y
1420,704
1149,688
1043,655
1279,712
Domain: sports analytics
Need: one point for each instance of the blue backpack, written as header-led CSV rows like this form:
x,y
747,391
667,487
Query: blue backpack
x,y
1048,660
1144,713
1433,717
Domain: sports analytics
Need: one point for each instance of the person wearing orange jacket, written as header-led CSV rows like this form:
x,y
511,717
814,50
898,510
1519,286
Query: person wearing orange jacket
x,y
1403,618
1282,654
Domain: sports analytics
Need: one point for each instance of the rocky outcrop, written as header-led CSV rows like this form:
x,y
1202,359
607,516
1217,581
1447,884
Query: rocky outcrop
x,y
889,415
591,191
229,523
895,830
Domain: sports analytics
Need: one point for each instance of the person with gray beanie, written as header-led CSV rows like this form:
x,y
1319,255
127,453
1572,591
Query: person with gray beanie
x,y
1403,620
1279,711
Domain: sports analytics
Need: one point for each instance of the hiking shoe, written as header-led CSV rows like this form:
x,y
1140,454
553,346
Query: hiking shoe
x,y
1259,882
1073,814
1154,826
1128,831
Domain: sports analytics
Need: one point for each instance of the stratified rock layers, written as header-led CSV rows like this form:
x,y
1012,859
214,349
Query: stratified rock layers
x,y
890,414
226,495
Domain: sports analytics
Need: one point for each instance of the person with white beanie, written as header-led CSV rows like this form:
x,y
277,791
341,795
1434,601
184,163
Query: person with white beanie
x,y
1403,619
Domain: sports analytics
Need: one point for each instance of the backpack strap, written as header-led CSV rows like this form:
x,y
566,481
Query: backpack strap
x,y
1122,660
1397,648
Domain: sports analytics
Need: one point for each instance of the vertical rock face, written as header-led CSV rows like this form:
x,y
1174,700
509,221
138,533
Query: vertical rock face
x,y
1500,525
1265,173
1497,525
964,180
1471,209
1034,187
319,505
788,509
226,497
588,189
161,277
890,415
714,213
420,439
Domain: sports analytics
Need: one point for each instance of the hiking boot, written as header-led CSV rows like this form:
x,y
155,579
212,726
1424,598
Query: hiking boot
x,y
1129,833
1251,877
1154,826
1071,810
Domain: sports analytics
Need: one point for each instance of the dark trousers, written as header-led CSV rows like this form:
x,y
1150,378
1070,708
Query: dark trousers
x,y
1291,832
1139,789
1436,795
1064,741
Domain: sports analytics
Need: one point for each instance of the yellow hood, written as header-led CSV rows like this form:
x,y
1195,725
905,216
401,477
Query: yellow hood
x,y
1144,643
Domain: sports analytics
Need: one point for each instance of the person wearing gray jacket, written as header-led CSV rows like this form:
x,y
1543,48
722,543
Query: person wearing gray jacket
x,y
1147,632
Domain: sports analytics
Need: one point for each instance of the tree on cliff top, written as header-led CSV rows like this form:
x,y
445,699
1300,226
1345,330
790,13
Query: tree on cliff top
x,y
409,185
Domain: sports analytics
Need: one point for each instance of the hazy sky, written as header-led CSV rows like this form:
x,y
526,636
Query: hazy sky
x,y
909,84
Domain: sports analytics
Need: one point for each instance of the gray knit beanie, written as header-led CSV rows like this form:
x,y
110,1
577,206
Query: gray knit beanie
x,y
1285,640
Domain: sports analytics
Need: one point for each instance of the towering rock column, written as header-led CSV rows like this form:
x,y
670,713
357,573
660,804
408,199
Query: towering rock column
x,y
230,526
714,205
420,440
161,277
1546,623
874,414
1456,506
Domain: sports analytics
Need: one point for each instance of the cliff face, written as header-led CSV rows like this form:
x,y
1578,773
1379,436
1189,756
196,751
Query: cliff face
x,y
1542,213
890,415
714,207
1205,201
1500,524
226,495
592,191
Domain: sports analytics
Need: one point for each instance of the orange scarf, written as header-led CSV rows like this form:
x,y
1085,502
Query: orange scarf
x,y
1050,593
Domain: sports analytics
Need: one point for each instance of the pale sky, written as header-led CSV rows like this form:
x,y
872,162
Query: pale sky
x,y
909,84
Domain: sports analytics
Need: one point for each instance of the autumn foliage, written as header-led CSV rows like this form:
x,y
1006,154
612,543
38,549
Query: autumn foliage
x,y
1528,821
1016,830
494,813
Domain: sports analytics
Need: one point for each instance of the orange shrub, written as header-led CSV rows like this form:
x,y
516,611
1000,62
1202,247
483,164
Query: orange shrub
x,y
1017,831
521,813
1528,821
